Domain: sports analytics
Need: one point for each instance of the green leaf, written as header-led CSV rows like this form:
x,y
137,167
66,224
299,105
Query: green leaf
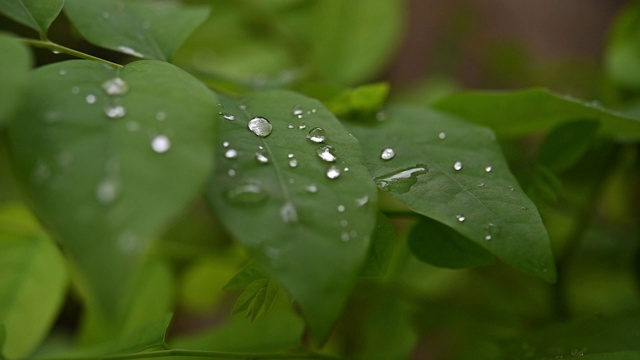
x,y
566,144
353,40
33,282
244,277
107,172
3,338
513,114
381,249
36,14
151,335
437,244
306,230
249,294
363,99
622,60
149,29
454,172
14,75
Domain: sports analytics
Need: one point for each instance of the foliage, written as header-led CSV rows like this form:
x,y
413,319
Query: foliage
x,y
202,143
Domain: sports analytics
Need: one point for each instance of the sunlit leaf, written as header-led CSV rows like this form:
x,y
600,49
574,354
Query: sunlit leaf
x,y
306,221
149,29
36,14
108,157
14,75
454,172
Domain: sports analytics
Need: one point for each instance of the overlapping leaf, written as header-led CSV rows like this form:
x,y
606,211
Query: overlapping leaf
x,y
108,157
36,14
306,221
454,172
14,74
520,113
623,53
153,30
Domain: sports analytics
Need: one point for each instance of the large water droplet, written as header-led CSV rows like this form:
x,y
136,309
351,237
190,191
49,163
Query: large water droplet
x,y
333,172
288,213
401,181
115,111
231,154
260,126
161,144
316,135
387,154
261,158
461,218
90,99
457,166
115,86
107,190
247,193
326,153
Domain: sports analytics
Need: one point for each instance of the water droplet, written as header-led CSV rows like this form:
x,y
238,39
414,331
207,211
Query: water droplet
x,y
488,169
362,201
242,107
161,116
129,51
481,185
231,172
288,213
90,99
326,153
442,136
488,237
290,156
387,154
316,135
229,117
231,154
62,72
107,190
115,86
75,90
353,234
341,208
344,236
260,147
290,126
247,193
260,126
312,188
293,163
333,172
401,181
457,166
225,144
115,112
344,223
461,218
297,111
262,158
346,169
302,126
491,231
161,144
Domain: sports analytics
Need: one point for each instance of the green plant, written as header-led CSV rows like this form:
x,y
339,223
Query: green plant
x,y
147,177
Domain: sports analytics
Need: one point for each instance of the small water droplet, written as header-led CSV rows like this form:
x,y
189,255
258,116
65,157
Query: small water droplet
x,y
297,111
290,126
341,208
130,243
293,163
491,231
115,111
488,237
129,51
292,180
262,158
229,117
75,90
288,213
401,181
344,223
488,169
225,144
161,144
290,156
481,185
260,126
353,234
90,99
442,136
346,169
161,116
461,218
302,126
344,236
326,153
62,72
387,154
115,86
457,166
107,190
231,172
333,172
133,126
231,154
316,135
362,201
312,188
247,193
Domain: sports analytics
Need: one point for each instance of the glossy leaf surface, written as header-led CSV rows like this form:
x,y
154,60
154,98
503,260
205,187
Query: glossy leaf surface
x,y
36,14
14,75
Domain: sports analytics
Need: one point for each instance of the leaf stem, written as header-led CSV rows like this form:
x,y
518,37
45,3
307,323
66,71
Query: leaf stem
x,y
203,354
63,49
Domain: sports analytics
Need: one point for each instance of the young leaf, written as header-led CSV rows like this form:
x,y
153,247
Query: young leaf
x,y
32,285
512,114
566,144
440,245
454,172
294,190
14,75
108,157
146,29
36,14
244,277
381,249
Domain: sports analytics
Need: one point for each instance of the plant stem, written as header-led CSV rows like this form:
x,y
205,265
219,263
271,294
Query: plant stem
x,y
203,354
63,49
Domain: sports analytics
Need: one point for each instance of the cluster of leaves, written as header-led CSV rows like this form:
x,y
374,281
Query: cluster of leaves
x,y
148,176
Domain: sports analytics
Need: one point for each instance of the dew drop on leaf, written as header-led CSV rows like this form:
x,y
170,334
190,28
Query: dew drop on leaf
x,y
344,236
311,188
341,208
442,136
344,223
362,201
457,166
115,111
288,213
316,135
261,158
387,154
302,126
461,218
401,181
231,154
248,193
488,169
326,153
293,163
290,156
225,144
229,117
107,190
260,126
62,72
333,172
231,172
90,99
297,111
161,144
290,126
115,86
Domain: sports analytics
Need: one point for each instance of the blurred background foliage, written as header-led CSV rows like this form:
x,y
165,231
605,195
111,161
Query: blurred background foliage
x,y
587,191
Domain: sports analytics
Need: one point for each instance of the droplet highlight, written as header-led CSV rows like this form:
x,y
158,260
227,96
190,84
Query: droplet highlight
x,y
161,144
247,193
326,153
488,169
333,172
115,86
262,158
115,112
231,154
387,154
316,135
90,99
457,166
401,181
461,218
442,136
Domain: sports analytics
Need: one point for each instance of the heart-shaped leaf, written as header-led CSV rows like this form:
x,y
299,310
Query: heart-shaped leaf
x,y
454,172
36,14
291,185
14,75
108,156
153,30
